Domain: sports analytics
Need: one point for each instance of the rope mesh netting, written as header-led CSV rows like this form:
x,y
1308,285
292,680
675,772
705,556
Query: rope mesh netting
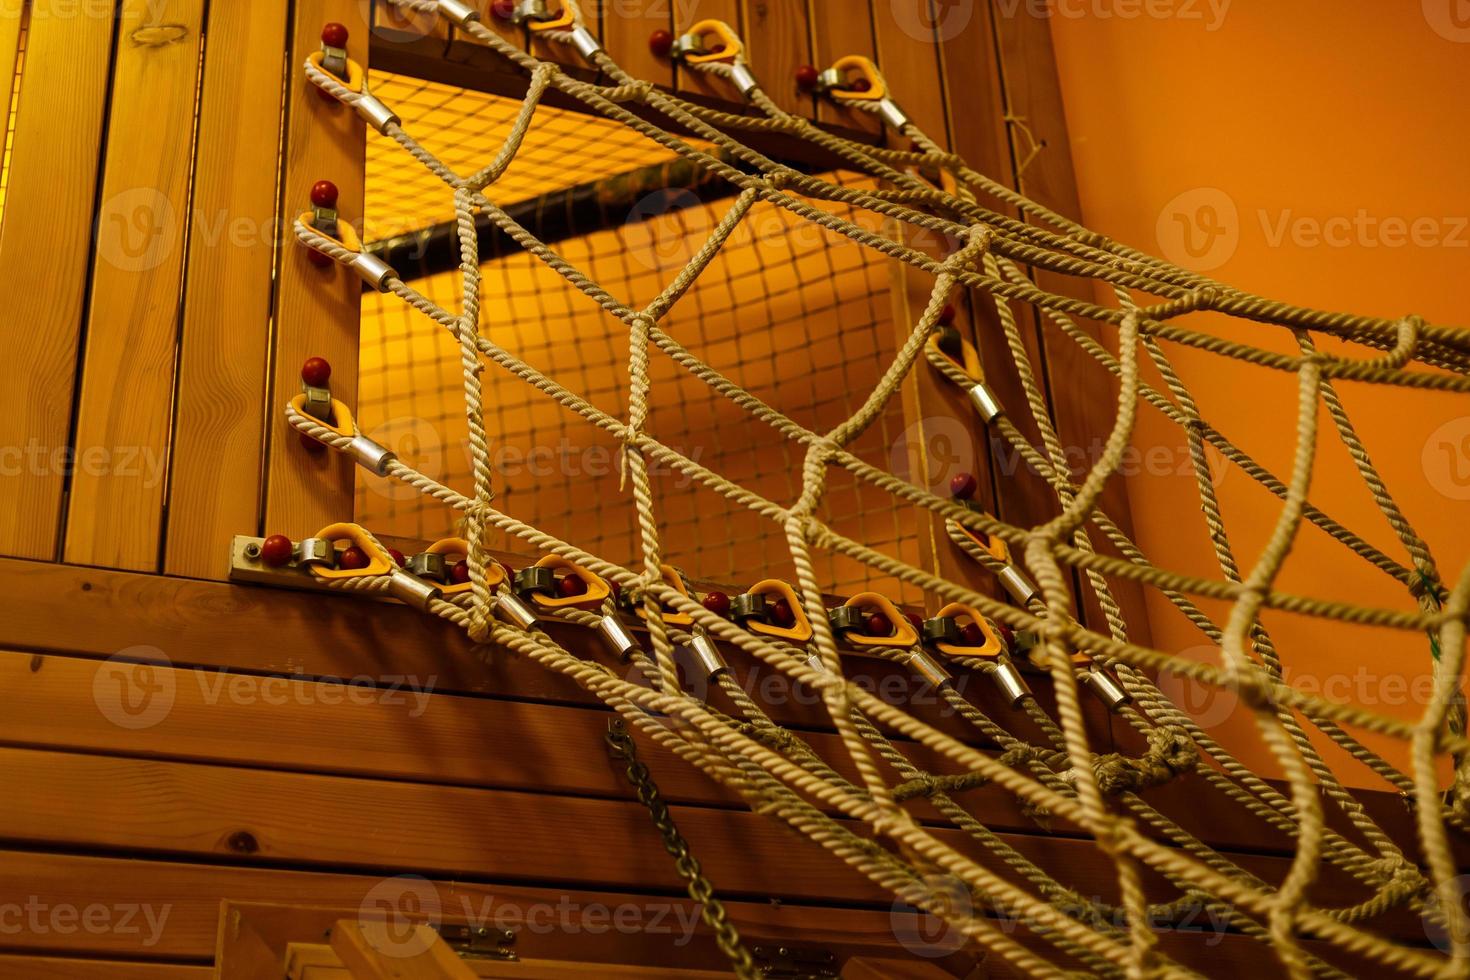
x,y
802,320
662,324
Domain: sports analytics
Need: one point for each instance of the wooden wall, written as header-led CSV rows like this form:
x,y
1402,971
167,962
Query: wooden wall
x,y
170,740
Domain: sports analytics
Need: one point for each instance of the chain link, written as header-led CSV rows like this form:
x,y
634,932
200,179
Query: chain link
x,y
712,910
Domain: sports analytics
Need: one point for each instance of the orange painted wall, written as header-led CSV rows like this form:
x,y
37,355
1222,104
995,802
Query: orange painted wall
x,y
1314,151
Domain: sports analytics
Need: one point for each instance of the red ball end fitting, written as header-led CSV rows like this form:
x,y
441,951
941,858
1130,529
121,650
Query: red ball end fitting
x,y
946,315
503,10
661,43
878,625
398,557
916,621
316,372
860,85
807,77
352,559
324,194
1006,635
974,636
334,35
570,585
311,445
276,550
782,615
717,603
963,486
459,573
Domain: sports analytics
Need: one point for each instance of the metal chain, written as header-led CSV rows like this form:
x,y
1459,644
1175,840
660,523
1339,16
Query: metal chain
x,y
620,744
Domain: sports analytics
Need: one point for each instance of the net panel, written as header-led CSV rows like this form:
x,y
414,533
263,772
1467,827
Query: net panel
x,y
1050,763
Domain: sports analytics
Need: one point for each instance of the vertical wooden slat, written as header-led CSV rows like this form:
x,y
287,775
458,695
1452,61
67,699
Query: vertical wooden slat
x,y
778,41
219,421
936,410
975,109
115,509
45,246
316,309
625,31
1084,398
839,30
692,81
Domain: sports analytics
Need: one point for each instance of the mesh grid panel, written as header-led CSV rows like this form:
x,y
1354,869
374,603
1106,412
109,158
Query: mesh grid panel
x,y
798,316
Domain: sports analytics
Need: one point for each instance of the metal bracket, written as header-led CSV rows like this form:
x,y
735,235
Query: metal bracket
x,y
479,943
795,963
246,566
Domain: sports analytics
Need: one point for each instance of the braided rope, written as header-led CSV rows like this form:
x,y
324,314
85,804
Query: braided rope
x,y
1063,776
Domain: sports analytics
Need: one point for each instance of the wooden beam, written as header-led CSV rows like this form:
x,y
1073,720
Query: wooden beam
x,y
125,406
45,250
219,425
317,309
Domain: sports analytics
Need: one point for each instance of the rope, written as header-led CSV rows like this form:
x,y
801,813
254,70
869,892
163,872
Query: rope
x,y
1055,772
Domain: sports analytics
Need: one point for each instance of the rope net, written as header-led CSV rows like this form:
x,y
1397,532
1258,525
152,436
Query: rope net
x,y
663,328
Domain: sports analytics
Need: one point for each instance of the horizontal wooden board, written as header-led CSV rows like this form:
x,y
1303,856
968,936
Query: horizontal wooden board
x,y
174,910
244,815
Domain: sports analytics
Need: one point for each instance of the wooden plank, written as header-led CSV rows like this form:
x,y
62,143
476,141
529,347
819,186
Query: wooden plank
x,y
174,910
839,30
45,246
692,81
115,509
316,309
219,435
337,822
76,705
778,40
625,34
1083,394
67,968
